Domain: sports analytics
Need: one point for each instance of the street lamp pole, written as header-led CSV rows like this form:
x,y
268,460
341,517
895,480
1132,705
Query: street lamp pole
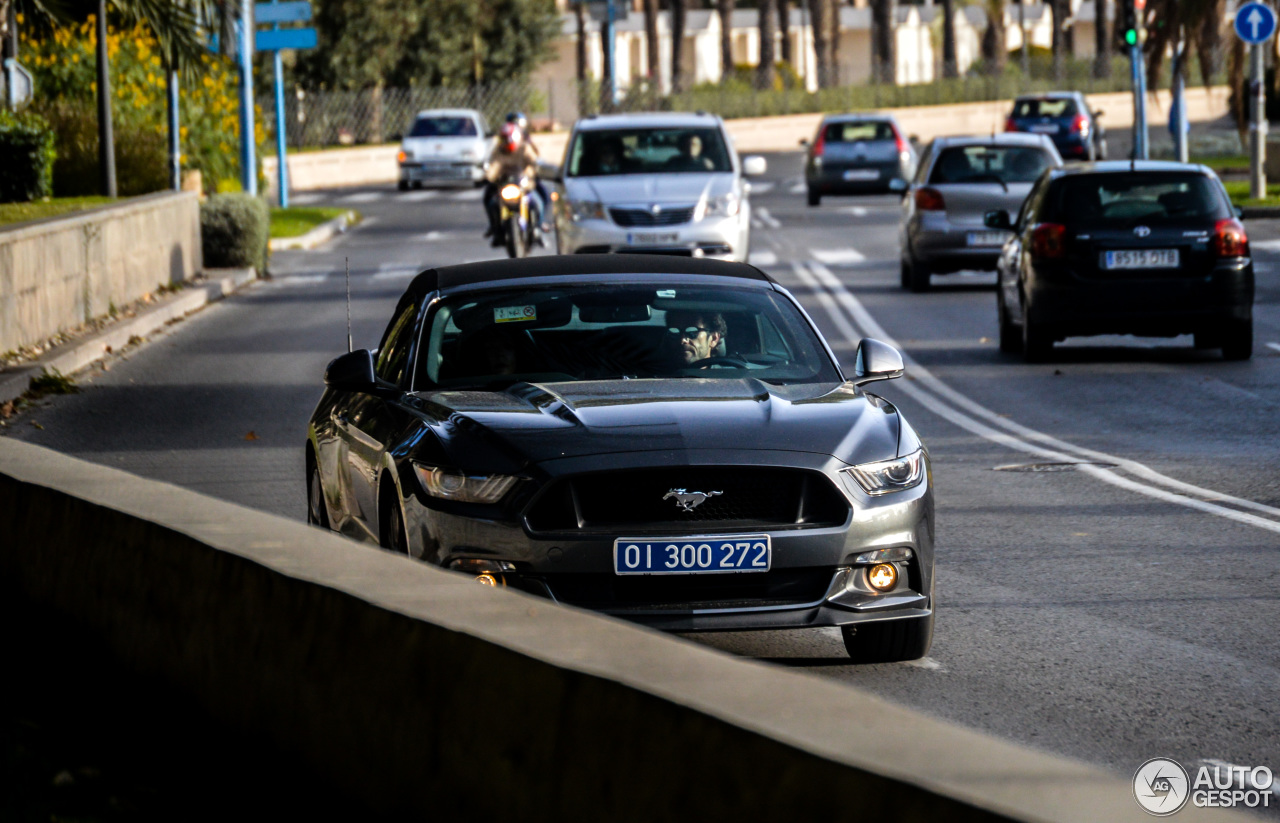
x,y
248,157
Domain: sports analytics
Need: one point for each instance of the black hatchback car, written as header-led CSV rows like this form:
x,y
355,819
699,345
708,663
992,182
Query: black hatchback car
x,y
666,440
1145,248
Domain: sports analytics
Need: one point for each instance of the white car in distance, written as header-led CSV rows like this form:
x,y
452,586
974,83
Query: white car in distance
x,y
445,146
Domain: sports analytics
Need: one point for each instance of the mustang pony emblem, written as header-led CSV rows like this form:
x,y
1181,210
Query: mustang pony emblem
x,y
689,500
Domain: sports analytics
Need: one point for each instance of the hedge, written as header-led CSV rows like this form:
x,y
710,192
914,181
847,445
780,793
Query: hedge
x,y
26,144
234,230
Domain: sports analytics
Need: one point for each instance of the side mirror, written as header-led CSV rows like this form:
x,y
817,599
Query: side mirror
x,y
754,165
876,361
804,141
913,139
1099,113
352,371
997,220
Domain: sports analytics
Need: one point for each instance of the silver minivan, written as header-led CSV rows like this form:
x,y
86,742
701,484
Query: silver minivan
x,y
960,179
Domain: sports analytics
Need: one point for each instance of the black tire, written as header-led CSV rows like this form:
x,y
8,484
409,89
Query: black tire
x,y
1237,340
889,641
1010,335
417,184
403,185
1037,344
317,511
815,198
918,276
515,238
393,537
905,275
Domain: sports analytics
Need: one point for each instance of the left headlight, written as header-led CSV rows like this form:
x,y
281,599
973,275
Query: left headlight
x,y
895,475
725,206
586,210
451,484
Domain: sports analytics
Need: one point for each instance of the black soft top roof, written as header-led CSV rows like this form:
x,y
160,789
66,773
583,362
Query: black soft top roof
x,y
447,277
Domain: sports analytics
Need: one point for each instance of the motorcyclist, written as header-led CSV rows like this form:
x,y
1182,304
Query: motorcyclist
x,y
519,118
514,158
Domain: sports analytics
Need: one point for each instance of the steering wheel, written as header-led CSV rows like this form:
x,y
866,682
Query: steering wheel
x,y
719,360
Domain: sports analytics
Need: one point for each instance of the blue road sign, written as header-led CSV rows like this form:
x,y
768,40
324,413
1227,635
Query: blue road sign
x,y
293,11
1255,23
278,39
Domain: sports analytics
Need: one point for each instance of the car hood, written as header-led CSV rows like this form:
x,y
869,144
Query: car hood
x,y
535,422
677,189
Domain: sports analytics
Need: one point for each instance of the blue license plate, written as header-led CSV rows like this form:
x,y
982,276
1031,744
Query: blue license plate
x,y
693,555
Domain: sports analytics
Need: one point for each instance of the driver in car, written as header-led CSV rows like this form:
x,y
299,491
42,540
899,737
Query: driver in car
x,y
693,337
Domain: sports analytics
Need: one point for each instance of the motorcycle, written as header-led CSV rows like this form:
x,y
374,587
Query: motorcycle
x,y
518,217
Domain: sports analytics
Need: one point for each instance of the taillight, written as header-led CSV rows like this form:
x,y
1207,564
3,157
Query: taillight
x,y
1049,241
929,200
820,143
1229,238
1080,125
1009,125
903,148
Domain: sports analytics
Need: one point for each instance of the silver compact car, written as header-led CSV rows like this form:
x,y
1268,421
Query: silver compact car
x,y
959,180
857,154
444,146
654,184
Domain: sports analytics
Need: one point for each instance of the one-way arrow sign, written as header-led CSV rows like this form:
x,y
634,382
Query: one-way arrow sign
x,y
1255,23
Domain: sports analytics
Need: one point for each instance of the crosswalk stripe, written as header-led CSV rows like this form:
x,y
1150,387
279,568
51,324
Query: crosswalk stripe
x,y
762,187
837,257
762,258
302,279
362,197
305,199
469,194
419,196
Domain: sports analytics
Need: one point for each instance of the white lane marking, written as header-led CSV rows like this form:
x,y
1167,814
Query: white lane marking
x,y
762,258
305,199
856,211
395,274
419,196
757,223
435,236
762,187
1266,245
931,398
302,279
926,663
798,188
361,197
469,194
768,219
1275,346
837,257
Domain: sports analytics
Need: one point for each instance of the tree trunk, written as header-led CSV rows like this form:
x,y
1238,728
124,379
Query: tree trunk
x,y
766,74
654,68
725,10
1101,39
884,63
817,9
994,43
833,41
678,8
784,29
106,140
580,15
949,67
1058,43
375,134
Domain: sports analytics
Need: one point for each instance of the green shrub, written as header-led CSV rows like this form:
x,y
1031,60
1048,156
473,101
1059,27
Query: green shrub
x,y
234,229
142,156
26,144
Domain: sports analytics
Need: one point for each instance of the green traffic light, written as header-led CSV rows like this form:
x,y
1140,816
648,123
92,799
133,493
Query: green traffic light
x,y
1131,37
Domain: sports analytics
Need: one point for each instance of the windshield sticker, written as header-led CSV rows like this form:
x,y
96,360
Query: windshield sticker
x,y
515,314
666,292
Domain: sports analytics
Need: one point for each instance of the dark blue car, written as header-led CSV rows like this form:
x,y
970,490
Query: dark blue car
x,y
1066,119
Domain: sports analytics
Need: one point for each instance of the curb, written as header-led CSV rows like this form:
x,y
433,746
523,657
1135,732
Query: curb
x,y
78,354
320,234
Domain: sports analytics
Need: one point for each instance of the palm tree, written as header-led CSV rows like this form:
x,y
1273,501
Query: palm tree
x,y
1101,39
784,29
949,68
994,40
1200,23
884,15
653,68
766,74
725,10
678,9
1058,44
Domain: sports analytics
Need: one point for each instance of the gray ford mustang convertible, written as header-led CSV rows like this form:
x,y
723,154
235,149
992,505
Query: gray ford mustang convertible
x,y
666,440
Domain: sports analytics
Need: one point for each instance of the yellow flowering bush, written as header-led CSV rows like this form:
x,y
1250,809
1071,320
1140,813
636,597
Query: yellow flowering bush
x,y
64,67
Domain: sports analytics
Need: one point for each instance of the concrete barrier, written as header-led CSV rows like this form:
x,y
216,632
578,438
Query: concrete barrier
x,y
60,273
426,695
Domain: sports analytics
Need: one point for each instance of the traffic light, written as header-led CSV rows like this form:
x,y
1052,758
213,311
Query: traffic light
x,y
1134,22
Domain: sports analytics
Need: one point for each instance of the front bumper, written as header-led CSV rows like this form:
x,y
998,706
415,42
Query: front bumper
x,y
441,172
813,581
944,246
718,237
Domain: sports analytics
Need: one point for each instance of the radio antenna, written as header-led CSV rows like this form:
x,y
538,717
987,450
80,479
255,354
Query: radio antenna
x,y
349,347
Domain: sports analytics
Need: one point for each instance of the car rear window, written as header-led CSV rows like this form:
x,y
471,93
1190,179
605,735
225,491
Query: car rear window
x,y
648,151
861,130
1042,107
1151,197
989,164
444,127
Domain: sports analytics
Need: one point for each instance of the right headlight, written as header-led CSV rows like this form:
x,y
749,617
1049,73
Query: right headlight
x,y
887,476
451,484
586,210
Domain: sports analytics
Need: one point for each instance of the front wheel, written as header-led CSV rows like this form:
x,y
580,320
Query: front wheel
x,y
815,198
917,276
515,238
317,511
889,641
1036,342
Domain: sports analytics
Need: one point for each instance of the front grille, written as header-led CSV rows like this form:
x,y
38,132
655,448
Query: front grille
x,y
636,502
615,593
647,217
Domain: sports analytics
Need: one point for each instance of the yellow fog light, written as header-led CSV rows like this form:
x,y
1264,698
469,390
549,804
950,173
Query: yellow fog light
x,y
510,192
883,577
487,579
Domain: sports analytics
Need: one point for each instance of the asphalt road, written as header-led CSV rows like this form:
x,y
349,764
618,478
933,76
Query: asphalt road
x,y
1109,614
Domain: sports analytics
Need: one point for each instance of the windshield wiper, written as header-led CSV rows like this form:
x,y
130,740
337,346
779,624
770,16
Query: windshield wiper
x,y
991,177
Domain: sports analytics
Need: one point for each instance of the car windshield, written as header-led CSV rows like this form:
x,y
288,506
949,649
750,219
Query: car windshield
x,y
593,332
648,151
1150,197
1045,107
861,130
989,164
444,127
